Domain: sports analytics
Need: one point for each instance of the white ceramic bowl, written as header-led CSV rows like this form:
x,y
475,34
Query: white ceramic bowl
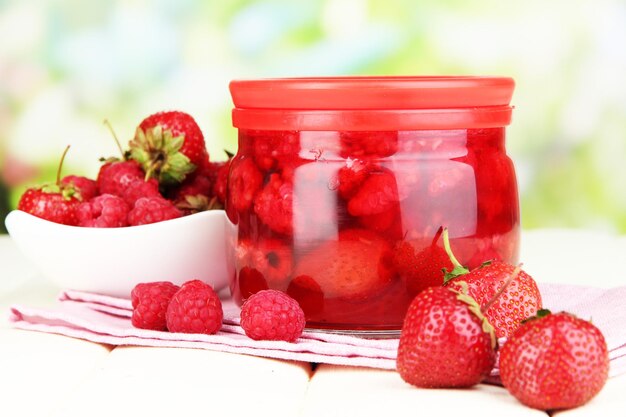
x,y
112,261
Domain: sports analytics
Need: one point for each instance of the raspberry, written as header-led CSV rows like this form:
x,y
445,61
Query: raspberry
x,y
272,149
140,188
195,308
150,301
274,205
378,194
245,181
114,177
270,257
106,210
152,210
351,177
272,315
87,188
376,144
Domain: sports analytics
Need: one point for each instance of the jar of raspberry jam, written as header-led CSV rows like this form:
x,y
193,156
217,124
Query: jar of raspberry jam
x,y
341,188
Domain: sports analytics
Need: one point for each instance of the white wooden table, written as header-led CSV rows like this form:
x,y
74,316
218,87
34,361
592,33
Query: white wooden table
x,y
43,374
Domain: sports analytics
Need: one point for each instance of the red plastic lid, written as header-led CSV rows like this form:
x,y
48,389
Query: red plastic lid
x,y
372,103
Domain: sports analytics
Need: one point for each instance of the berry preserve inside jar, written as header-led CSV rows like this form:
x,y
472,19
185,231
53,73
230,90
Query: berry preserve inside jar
x,y
341,188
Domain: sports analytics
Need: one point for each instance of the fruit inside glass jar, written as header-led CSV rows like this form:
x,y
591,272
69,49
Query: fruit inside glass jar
x,y
349,223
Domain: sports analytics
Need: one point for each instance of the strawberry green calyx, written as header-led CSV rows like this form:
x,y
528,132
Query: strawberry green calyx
x,y
475,308
198,203
158,152
458,269
67,191
544,312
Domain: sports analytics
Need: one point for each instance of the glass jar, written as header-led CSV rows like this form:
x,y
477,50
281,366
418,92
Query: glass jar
x,y
341,187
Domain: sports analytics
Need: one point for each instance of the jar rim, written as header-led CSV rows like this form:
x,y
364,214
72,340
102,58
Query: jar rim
x,y
372,92
372,102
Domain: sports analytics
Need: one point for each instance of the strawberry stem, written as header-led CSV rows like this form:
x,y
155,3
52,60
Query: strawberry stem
x,y
498,293
458,269
437,236
117,141
58,182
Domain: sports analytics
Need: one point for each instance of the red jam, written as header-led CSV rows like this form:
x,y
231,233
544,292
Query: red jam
x,y
330,204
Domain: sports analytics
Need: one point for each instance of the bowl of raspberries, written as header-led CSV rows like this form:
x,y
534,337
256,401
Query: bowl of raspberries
x,y
154,211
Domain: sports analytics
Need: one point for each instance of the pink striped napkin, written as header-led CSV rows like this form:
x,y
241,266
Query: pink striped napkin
x,y
104,319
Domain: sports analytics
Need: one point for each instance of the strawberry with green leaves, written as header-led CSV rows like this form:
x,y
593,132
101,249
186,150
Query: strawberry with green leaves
x,y
520,300
54,202
554,361
169,146
421,269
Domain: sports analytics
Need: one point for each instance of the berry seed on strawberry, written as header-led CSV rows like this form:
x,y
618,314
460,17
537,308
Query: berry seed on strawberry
x,y
195,308
152,210
106,210
150,302
445,341
554,362
272,315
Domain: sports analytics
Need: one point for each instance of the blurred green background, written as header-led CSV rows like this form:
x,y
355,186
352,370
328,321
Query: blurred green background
x,y
65,65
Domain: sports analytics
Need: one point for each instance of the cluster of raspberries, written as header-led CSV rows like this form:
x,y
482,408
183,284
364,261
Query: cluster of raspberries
x,y
164,174
195,307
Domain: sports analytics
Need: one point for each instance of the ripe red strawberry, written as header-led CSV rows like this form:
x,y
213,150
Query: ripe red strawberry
x,y
377,194
195,308
86,187
244,183
169,146
195,194
421,269
272,315
152,210
554,361
106,210
519,300
376,144
150,301
115,176
355,266
270,257
274,205
54,202
445,341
